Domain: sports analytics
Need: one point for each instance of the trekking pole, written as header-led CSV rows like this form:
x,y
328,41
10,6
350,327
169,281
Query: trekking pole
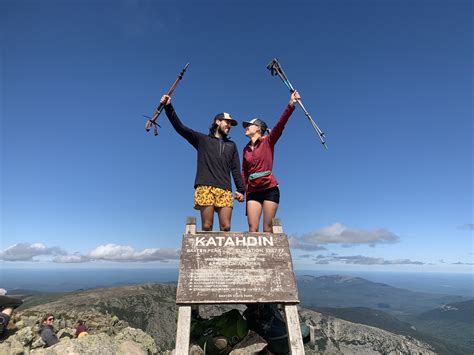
x,y
276,69
152,120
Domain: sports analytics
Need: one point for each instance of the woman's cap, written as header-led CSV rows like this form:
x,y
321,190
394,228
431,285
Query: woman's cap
x,y
257,122
226,116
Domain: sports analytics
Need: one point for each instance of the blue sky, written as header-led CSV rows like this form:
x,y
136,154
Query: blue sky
x,y
390,82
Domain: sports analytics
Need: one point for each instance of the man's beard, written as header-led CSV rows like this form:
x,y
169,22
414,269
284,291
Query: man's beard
x,y
221,132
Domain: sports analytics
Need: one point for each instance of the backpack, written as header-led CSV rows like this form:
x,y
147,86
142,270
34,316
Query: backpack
x,y
219,334
267,321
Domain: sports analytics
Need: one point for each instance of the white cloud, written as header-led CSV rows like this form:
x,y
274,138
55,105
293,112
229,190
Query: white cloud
x,y
107,252
298,243
337,233
114,252
71,259
27,251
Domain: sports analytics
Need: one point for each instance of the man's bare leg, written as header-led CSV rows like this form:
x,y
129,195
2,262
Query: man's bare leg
x,y
207,217
225,215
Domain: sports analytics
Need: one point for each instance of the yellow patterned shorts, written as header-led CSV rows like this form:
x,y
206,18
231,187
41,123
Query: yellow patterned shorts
x,y
212,196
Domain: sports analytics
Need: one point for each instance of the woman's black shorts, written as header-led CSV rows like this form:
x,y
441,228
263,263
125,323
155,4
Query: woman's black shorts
x,y
272,194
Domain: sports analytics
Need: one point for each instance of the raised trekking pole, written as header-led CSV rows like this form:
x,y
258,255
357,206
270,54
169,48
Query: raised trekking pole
x,y
152,120
276,69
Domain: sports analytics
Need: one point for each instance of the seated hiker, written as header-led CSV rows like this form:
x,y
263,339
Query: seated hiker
x,y
7,305
219,334
47,331
81,328
267,321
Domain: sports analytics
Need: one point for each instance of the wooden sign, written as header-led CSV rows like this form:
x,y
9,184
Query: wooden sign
x,y
233,267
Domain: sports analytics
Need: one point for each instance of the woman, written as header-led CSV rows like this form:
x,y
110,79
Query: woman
x,y
261,185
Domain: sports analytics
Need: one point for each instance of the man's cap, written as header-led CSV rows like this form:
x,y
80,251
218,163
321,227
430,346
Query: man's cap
x,y
257,122
226,116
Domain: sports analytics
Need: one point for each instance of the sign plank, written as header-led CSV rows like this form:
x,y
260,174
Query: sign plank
x,y
233,267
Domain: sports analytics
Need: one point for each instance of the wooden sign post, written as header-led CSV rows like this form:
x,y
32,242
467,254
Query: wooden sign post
x,y
236,267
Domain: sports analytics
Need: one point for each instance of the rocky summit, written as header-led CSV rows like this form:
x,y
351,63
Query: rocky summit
x,y
141,319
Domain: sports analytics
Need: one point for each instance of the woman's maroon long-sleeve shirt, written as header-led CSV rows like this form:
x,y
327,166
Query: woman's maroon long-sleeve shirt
x,y
260,158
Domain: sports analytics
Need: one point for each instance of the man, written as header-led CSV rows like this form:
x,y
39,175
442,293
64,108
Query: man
x,y
217,159
47,331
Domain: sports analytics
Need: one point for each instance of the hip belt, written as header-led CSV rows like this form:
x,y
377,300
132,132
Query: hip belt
x,y
256,175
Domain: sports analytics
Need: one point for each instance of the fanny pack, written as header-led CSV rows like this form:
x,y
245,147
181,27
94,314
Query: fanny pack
x,y
256,175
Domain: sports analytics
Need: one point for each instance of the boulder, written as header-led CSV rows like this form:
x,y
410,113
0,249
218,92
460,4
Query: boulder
x,y
251,344
138,336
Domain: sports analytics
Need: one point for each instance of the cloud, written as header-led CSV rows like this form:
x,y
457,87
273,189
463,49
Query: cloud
x,y
461,263
363,260
71,259
337,233
113,252
297,243
108,252
27,251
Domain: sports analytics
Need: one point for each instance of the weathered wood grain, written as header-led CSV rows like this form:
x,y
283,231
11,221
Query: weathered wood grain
x,y
236,267
184,330
294,330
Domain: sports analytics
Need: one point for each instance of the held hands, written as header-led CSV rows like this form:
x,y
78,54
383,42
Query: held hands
x,y
165,100
295,96
239,197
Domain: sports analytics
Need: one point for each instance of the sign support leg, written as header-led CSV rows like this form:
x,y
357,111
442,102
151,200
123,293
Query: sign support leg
x,y
294,330
184,330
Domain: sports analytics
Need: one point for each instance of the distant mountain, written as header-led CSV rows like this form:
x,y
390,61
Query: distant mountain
x,y
337,336
151,307
458,312
453,322
368,316
347,291
382,320
22,292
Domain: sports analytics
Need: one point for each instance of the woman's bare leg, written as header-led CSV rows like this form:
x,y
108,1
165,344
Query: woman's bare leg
x,y
254,211
269,212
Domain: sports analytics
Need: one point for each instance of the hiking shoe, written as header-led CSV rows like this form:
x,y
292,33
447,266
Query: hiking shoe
x,y
4,319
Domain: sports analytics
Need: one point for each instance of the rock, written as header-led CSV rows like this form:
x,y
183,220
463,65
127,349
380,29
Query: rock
x,y
251,344
130,348
337,336
115,320
65,333
12,347
195,350
25,336
99,344
140,337
29,321
38,343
